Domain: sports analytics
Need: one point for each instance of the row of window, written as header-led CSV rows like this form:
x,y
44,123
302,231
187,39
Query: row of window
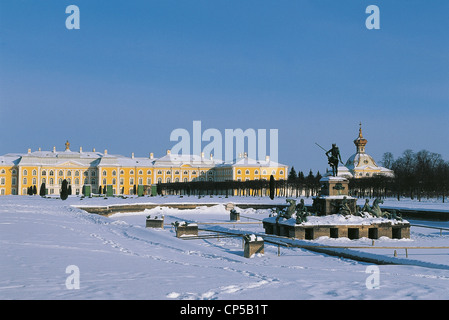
x,y
264,172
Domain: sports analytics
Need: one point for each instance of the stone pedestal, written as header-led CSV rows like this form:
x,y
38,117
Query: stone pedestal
x,y
154,223
187,230
253,246
234,215
334,191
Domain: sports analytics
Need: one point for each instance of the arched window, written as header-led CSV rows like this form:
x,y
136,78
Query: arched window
x,y
105,173
114,173
25,172
114,181
69,173
44,173
52,181
140,172
159,172
247,171
77,181
256,171
34,172
239,171
131,172
77,173
60,173
185,172
104,181
149,172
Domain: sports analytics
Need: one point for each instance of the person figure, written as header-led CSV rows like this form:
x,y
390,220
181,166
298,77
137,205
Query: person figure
x,y
334,157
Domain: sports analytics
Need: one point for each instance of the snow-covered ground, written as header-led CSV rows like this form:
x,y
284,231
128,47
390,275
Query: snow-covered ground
x,y
45,242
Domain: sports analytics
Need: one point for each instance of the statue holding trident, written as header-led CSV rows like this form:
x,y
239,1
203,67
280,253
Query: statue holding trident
x,y
333,158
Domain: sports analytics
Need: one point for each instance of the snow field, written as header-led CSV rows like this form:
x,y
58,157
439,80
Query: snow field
x,y
118,258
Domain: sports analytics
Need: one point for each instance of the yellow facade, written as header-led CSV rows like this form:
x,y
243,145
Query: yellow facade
x,y
19,172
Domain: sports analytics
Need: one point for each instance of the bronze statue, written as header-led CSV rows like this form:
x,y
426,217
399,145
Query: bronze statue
x,y
333,158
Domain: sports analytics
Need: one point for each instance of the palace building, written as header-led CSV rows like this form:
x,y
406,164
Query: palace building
x,y
120,174
361,164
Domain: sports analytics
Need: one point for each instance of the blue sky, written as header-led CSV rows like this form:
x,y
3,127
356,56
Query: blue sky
x,y
136,70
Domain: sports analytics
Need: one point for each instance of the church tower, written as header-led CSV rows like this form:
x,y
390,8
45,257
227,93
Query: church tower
x,y
360,142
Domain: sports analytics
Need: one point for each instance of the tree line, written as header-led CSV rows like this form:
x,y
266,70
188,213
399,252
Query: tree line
x,y
296,185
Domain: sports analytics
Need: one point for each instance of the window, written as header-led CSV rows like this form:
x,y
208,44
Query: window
x,y
34,181
60,181
77,181
239,171
159,172
114,181
247,172
52,181
122,181
69,173
140,181
3,171
264,172
34,172
122,172
114,173
131,180
14,171
44,180
86,181
281,172
25,172
185,172
77,173
25,181
131,172
60,173
159,180
176,172
185,179
168,180
86,173
168,172
92,173
256,172
105,173
140,172
177,180
104,181
44,173
2,181
149,172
